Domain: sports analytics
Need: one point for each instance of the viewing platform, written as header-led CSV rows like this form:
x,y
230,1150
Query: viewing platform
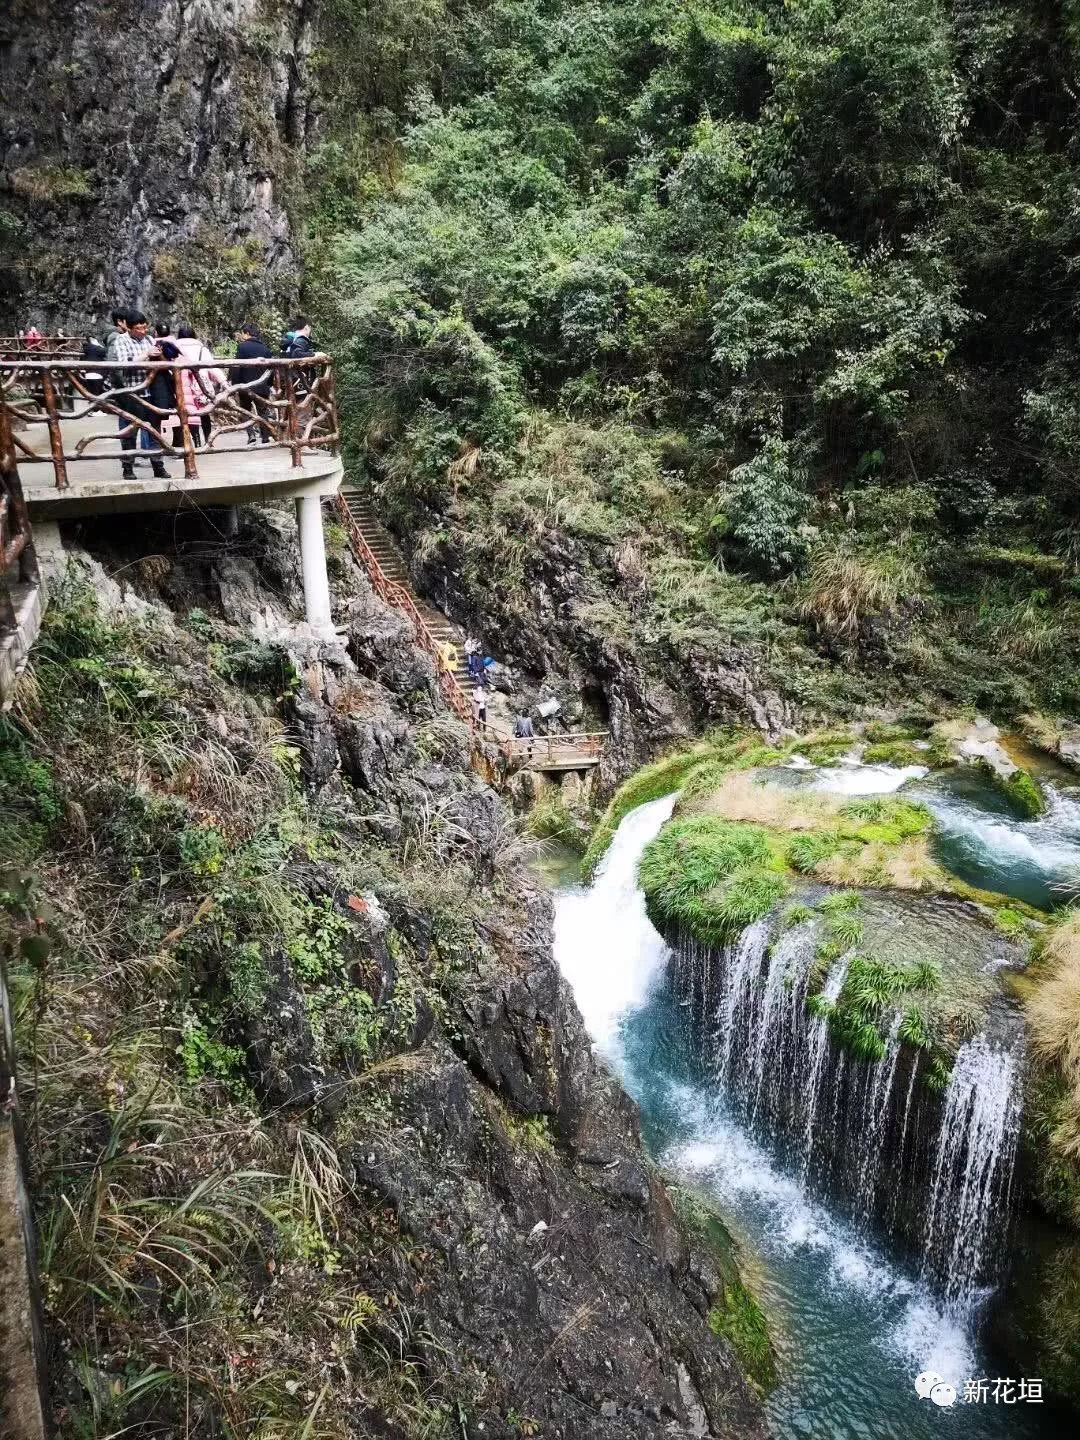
x,y
80,437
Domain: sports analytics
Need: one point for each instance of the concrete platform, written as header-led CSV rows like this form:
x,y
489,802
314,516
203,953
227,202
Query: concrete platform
x,y
230,473
28,602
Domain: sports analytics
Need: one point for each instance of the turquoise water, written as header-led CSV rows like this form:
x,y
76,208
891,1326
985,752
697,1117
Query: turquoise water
x,y
981,839
979,836
853,1324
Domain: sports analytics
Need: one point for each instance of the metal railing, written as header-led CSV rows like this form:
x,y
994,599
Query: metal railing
x,y
179,409
540,751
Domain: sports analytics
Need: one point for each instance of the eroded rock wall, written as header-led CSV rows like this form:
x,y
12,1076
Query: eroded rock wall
x,y
148,153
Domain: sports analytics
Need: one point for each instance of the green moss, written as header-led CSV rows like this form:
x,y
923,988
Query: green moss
x,y
1025,794
549,819
822,749
739,1319
650,783
894,752
737,1316
879,733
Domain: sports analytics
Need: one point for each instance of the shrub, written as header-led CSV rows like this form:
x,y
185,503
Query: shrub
x,y
849,586
739,1319
711,877
765,502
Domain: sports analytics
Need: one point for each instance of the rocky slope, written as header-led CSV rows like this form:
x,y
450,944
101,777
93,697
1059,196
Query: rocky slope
x,y
147,153
302,975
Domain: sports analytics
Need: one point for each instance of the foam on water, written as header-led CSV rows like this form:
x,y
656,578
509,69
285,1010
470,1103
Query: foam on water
x,y
605,945
851,777
919,1330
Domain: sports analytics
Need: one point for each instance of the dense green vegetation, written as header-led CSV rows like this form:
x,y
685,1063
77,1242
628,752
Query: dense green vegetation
x,y
767,308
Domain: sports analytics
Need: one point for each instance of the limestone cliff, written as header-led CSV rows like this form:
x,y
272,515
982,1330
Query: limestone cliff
x,y
337,1115
147,152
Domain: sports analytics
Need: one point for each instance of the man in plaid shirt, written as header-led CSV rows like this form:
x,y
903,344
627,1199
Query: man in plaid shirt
x,y
132,346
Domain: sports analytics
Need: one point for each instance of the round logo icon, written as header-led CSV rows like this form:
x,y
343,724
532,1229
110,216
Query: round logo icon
x,y
925,1382
943,1394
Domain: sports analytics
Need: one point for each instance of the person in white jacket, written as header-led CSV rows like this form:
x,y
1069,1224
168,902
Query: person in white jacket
x,y
199,386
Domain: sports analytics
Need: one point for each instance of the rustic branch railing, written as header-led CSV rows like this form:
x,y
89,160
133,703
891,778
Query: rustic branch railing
x,y
16,542
41,347
281,404
541,751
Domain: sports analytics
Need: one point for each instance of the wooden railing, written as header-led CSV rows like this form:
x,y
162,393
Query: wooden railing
x,y
540,751
40,347
282,404
16,541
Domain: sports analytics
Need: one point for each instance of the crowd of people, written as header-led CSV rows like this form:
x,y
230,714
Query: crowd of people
x,y
149,408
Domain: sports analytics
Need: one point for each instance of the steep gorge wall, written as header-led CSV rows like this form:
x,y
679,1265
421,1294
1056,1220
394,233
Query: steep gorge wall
x,y
150,151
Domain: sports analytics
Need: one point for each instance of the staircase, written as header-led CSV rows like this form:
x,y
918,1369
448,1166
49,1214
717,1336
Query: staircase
x,y
392,563
376,550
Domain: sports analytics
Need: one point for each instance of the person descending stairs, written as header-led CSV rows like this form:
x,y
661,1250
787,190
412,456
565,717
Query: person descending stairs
x,y
448,646
392,563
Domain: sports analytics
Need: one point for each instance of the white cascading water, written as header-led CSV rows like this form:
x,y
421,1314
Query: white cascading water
x,y
877,1109
973,1165
819,1044
604,942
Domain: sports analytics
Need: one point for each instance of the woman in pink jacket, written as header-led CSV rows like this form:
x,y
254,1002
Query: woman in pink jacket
x,y
199,386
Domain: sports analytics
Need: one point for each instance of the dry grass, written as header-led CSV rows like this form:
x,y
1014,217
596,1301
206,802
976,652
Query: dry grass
x,y
1053,1016
1041,730
906,866
744,796
847,587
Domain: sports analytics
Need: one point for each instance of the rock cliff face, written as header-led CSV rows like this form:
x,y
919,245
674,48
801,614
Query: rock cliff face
x,y
147,152
493,1256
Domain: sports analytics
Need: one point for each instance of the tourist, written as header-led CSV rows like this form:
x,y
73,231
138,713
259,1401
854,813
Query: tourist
x,y
200,387
448,657
523,730
479,708
475,662
161,393
118,327
133,348
299,346
93,353
32,338
256,392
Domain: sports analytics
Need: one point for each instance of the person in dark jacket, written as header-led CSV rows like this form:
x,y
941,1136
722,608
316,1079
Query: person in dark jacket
x,y
254,397
300,346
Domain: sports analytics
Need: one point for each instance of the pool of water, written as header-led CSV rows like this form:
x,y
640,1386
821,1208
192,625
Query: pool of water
x,y
981,839
979,836
853,1326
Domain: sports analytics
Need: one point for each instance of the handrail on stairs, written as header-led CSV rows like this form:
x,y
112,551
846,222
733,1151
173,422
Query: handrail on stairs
x,y
556,750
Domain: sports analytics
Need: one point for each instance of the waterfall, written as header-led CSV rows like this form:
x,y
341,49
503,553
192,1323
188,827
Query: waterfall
x,y
973,1166
607,949
866,1135
819,1044
876,1114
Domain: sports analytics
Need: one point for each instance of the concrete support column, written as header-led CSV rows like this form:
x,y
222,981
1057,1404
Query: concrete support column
x,y
313,561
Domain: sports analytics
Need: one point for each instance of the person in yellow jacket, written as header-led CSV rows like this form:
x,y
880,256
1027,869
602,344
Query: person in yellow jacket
x,y
448,657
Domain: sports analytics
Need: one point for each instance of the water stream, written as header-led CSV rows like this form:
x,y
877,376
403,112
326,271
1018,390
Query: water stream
x,y
740,1089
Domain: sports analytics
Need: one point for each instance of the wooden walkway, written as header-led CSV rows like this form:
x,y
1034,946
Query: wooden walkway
x,y
380,556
